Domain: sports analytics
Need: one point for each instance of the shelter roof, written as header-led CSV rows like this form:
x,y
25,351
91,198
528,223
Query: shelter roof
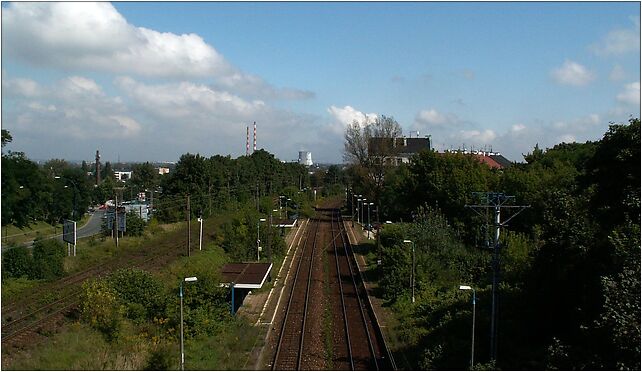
x,y
246,275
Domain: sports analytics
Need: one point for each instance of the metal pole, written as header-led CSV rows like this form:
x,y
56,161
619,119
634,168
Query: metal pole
x,y
413,272
352,205
189,235
369,228
116,218
472,347
200,237
182,347
232,298
493,317
258,242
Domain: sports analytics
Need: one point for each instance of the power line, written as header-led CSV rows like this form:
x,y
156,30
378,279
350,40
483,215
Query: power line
x,y
495,202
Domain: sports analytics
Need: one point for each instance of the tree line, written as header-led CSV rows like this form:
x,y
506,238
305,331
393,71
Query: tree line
x,y
569,268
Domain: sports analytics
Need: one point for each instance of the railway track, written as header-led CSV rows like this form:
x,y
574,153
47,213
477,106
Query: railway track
x,y
357,341
48,306
289,352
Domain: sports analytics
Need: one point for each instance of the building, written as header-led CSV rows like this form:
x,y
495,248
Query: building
x,y
397,150
494,160
305,158
122,176
162,170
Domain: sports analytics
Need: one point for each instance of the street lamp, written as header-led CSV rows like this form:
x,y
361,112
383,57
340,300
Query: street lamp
x,y
200,237
472,347
258,239
353,196
412,275
362,210
73,212
358,213
369,226
187,280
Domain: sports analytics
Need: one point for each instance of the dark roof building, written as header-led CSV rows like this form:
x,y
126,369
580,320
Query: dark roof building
x,y
397,150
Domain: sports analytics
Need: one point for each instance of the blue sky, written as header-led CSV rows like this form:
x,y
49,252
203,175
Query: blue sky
x,y
151,81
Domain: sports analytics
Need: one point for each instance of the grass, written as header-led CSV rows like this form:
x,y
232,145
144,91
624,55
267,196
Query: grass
x,y
228,350
80,348
12,235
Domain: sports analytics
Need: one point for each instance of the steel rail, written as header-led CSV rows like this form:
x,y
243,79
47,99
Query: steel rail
x,y
343,305
356,287
283,334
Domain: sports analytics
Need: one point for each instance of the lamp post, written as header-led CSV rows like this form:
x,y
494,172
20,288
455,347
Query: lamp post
x,y
412,275
73,212
258,239
188,279
358,214
369,226
286,207
353,196
362,210
200,237
472,347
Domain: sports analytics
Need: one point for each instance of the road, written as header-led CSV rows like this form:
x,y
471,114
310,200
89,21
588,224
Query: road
x,y
92,227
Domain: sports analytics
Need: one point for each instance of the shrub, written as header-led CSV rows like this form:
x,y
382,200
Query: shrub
x,y
135,224
48,259
16,262
101,308
135,286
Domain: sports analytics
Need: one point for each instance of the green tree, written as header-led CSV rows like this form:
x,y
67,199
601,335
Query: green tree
x,y
138,288
16,263
135,224
101,307
6,137
48,259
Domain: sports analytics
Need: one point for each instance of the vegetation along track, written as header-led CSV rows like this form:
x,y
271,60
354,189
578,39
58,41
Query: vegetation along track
x,y
358,343
48,305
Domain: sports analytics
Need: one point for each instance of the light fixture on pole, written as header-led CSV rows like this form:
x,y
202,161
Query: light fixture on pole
x,y
412,275
73,212
363,211
353,196
369,225
200,238
187,280
472,347
258,239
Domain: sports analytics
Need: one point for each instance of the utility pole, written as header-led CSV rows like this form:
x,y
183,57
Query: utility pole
x,y
494,202
116,217
189,236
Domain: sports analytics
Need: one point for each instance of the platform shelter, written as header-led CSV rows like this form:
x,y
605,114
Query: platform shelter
x,y
242,278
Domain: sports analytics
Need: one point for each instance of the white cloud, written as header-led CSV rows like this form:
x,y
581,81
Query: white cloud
x,y
572,73
188,101
516,128
432,117
631,94
619,41
478,138
20,87
566,138
95,37
617,73
129,126
348,114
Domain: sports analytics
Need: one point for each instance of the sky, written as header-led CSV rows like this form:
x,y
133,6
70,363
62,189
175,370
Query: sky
x,y
150,81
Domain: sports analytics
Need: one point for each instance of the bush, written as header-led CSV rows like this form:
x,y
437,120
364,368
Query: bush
x,y
101,308
16,262
48,259
135,224
135,286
